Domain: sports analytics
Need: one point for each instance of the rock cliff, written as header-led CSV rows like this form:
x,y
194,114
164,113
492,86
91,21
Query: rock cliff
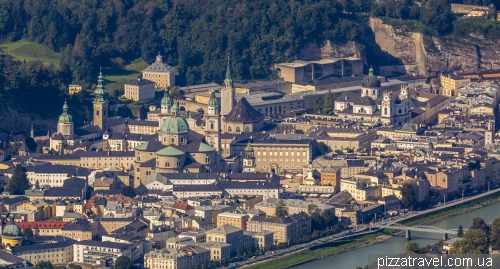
x,y
395,51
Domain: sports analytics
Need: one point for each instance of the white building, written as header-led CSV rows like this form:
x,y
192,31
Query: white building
x,y
92,252
139,89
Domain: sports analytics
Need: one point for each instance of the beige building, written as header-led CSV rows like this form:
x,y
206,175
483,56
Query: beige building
x,y
450,84
56,253
74,89
139,89
160,73
231,235
284,229
279,154
237,220
360,190
242,118
166,258
94,160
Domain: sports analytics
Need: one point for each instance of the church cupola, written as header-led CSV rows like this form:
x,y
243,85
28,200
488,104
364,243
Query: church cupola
x,y
213,104
166,102
249,160
65,123
370,85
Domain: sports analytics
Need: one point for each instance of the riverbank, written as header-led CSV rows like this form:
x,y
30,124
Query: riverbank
x,y
338,247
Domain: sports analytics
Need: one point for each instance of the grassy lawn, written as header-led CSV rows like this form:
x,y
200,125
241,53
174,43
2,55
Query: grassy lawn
x,y
30,51
115,78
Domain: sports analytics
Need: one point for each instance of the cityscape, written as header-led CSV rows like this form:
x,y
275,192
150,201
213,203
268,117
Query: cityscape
x,y
319,158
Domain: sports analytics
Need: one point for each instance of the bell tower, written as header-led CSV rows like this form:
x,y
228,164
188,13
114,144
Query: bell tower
x,y
227,92
249,160
100,104
212,128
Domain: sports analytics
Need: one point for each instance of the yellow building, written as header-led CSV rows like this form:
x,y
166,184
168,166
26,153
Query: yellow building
x,y
73,89
11,234
485,109
450,84
160,73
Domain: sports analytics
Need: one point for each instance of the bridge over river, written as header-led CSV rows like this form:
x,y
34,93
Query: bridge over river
x,y
408,229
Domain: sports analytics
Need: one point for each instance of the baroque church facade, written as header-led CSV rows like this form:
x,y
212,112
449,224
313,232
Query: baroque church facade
x,y
391,108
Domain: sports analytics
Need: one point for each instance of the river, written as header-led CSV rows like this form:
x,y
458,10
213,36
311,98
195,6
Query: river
x,y
397,244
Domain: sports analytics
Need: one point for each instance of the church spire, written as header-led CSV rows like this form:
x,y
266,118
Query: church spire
x,y
32,131
228,79
370,71
100,91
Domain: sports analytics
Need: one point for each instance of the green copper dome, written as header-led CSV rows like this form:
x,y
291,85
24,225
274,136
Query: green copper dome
x,y
166,100
11,230
213,100
248,148
65,117
175,125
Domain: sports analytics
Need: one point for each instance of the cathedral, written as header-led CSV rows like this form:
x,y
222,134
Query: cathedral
x,y
372,105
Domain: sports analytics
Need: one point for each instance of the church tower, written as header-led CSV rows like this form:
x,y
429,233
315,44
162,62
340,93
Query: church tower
x,y
488,134
100,104
387,105
166,105
212,129
370,85
249,160
227,93
65,123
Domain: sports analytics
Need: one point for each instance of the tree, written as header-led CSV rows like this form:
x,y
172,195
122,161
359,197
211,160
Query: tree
x,y
74,266
413,247
409,197
44,265
318,108
328,105
175,93
28,232
495,234
330,218
322,148
480,224
19,181
312,208
473,242
128,191
317,222
123,262
460,231
281,209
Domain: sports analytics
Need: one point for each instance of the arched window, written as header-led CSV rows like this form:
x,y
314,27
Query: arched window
x,y
167,164
97,112
373,92
385,110
247,129
212,125
400,111
172,140
229,129
238,129
366,91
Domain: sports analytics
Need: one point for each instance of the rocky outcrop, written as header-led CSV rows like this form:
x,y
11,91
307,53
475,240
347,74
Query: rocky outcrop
x,y
396,51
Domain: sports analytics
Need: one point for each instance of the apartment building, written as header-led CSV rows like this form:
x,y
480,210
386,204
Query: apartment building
x,y
139,89
284,229
234,219
293,206
56,252
92,252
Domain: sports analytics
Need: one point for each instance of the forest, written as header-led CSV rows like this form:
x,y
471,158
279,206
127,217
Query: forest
x,y
194,36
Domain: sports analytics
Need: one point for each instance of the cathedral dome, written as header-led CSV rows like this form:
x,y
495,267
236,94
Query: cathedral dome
x,y
175,125
370,81
213,100
11,230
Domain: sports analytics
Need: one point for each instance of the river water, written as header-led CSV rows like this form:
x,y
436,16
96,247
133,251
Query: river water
x,y
397,244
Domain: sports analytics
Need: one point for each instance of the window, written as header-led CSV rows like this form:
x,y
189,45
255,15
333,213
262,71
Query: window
x,y
247,129
172,140
238,129
229,129
167,164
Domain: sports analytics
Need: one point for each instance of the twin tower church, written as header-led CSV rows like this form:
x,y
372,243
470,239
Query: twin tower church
x,y
179,142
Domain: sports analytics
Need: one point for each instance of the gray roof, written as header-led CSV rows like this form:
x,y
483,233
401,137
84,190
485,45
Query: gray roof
x,y
225,229
139,82
159,67
104,244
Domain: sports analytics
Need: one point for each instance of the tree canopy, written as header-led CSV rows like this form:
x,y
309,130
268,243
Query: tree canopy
x,y
44,265
409,197
123,262
27,232
281,209
473,242
128,191
19,181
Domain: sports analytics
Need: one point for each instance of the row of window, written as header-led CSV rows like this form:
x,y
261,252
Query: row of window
x,y
281,153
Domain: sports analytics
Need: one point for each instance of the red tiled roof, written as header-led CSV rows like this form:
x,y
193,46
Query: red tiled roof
x,y
181,206
185,230
41,224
